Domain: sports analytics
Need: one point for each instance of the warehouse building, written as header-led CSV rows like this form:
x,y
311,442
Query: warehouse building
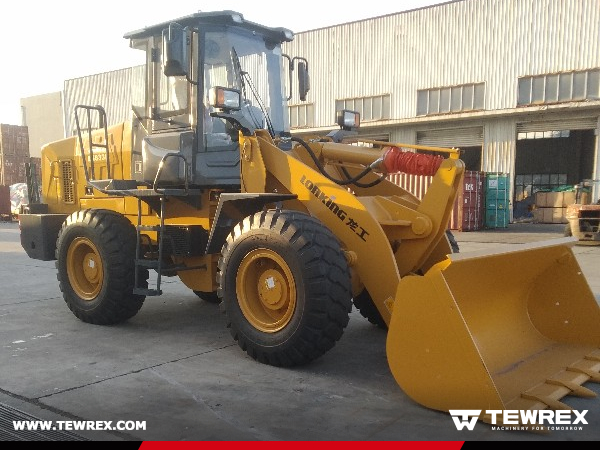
x,y
44,113
514,83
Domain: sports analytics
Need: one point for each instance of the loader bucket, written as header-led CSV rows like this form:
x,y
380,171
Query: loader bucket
x,y
515,329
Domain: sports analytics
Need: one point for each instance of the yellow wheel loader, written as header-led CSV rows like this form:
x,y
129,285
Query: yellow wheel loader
x,y
205,182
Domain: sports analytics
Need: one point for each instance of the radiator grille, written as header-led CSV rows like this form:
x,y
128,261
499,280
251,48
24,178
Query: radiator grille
x,y
67,181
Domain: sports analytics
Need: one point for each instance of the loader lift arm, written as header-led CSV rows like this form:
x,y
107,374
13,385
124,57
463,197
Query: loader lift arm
x,y
432,302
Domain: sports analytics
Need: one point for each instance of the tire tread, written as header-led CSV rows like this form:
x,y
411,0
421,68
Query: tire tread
x,y
115,238
327,278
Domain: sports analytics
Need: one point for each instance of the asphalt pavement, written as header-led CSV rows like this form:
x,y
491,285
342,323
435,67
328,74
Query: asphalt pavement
x,y
175,369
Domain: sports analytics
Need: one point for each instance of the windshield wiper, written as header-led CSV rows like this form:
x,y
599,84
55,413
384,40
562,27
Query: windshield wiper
x,y
260,104
245,77
239,73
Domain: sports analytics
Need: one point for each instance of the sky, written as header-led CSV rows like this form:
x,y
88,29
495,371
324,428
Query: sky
x,y
44,43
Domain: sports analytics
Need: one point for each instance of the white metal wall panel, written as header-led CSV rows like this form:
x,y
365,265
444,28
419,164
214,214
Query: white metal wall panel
x,y
404,135
500,146
499,151
596,187
468,41
100,89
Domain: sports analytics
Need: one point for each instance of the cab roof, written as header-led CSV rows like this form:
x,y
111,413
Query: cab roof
x,y
215,18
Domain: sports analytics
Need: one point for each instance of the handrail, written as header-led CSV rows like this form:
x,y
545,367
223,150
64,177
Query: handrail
x,y
92,145
160,168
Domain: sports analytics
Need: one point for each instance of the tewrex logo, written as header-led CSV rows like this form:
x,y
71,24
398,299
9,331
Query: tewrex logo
x,y
465,418
522,420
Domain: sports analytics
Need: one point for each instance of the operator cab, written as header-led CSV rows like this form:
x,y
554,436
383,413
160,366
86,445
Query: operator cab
x,y
190,61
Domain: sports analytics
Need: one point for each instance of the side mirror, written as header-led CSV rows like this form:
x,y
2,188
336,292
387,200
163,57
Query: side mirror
x,y
303,80
175,58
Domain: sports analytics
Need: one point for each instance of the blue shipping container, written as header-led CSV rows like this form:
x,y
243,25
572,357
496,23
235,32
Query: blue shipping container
x,y
497,203
497,182
496,218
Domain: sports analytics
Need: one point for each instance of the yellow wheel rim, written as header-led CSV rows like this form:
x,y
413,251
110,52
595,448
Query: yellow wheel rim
x,y
84,268
266,290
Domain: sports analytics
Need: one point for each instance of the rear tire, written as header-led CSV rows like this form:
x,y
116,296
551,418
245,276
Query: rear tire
x,y
210,297
452,241
95,254
285,285
366,307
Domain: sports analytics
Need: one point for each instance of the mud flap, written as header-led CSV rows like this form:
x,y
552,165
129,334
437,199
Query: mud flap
x,y
512,329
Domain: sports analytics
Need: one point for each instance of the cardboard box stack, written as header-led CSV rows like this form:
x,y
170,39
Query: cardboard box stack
x,y
14,154
551,207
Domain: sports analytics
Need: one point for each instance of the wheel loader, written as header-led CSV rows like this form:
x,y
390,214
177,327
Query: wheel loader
x,y
583,218
206,182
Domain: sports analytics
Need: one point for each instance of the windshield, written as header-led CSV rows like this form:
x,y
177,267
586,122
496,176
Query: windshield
x,y
245,61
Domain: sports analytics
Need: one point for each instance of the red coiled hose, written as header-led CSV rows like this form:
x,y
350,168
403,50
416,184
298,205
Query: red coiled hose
x,y
397,160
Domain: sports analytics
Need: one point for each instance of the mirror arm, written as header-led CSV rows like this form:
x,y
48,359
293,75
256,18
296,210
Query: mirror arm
x,y
299,58
238,121
290,70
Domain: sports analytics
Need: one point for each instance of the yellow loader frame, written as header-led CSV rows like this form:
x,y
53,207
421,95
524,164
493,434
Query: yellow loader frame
x,y
513,329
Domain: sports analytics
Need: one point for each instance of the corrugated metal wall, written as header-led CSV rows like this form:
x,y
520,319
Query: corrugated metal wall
x,y
462,42
596,168
43,115
100,89
468,41
500,146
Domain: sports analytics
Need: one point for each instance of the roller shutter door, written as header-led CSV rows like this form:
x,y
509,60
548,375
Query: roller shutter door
x,y
586,123
451,137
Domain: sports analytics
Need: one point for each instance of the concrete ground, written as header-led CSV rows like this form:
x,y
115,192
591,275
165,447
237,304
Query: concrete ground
x,y
175,366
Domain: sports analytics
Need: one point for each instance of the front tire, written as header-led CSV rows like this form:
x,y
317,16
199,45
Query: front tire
x,y
95,254
285,286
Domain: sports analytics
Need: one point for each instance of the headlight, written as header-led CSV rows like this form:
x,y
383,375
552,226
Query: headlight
x,y
225,98
348,120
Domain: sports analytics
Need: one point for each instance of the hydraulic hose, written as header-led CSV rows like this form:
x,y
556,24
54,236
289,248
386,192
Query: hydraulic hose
x,y
364,185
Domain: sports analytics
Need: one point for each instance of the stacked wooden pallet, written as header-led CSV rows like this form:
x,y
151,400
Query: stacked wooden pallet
x,y
551,207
